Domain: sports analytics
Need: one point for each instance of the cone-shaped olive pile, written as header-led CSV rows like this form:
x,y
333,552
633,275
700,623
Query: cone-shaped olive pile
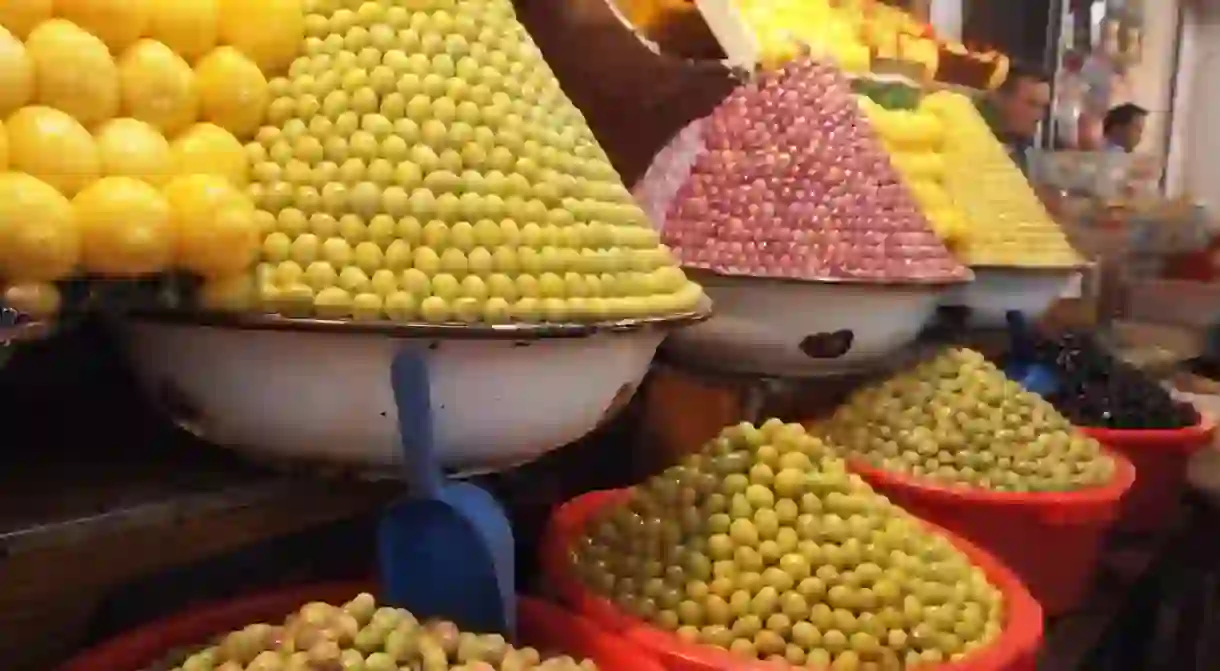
x,y
422,164
1008,224
913,139
764,544
957,420
359,635
786,179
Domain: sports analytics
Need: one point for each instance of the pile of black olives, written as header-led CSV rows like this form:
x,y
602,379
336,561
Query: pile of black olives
x,y
1099,389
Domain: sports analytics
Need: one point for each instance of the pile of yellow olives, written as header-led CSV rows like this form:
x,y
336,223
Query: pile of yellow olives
x,y
359,636
957,420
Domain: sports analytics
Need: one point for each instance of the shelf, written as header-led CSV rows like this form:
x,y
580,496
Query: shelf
x,y
80,520
56,496
95,486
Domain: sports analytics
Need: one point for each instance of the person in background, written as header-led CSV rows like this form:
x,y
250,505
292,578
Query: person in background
x,y
1015,109
1123,127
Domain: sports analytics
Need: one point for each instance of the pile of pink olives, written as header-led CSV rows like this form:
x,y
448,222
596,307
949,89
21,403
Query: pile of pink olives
x,y
765,545
793,184
359,636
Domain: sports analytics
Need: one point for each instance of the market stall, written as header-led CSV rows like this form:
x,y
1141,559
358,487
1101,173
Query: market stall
x,y
382,237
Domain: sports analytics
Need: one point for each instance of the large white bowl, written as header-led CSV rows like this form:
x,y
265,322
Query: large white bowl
x,y
324,395
781,328
996,291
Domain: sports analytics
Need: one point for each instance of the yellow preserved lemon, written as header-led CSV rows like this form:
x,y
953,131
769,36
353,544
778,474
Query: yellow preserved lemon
x,y
20,16
132,148
186,26
36,299
214,228
930,195
53,147
16,73
269,32
918,165
158,87
234,239
39,239
855,58
928,127
208,149
235,293
3,147
118,23
124,227
232,91
74,71
951,226
776,53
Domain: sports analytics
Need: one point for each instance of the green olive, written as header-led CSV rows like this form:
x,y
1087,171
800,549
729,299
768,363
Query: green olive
x,y
380,661
204,660
266,661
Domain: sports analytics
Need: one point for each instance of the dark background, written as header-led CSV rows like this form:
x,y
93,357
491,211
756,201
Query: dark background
x,y
1016,28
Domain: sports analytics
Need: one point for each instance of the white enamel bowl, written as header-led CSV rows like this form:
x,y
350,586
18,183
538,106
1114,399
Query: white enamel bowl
x,y
297,389
996,291
803,329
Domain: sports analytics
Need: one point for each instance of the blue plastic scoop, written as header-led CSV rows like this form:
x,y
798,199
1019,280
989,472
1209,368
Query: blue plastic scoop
x,y
1023,365
446,549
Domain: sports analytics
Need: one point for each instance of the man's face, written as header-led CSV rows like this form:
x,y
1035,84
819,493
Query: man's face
x,y
1024,106
1132,133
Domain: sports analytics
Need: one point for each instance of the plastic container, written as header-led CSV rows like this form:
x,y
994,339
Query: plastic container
x,y
1015,650
542,625
1052,541
1160,457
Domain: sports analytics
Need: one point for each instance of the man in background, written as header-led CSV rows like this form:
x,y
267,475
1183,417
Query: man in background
x,y
1015,109
1123,127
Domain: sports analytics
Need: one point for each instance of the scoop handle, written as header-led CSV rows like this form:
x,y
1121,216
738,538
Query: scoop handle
x,y
413,397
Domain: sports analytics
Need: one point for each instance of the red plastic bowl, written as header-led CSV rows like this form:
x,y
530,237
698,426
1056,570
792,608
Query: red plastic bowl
x,y
540,624
1015,650
1051,540
1160,457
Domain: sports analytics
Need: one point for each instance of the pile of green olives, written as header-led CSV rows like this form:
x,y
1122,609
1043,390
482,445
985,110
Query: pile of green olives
x,y
359,636
764,544
957,420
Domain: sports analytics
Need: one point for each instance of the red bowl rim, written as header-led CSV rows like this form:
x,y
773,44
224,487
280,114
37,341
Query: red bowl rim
x,y
1186,439
538,621
1017,644
1102,497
